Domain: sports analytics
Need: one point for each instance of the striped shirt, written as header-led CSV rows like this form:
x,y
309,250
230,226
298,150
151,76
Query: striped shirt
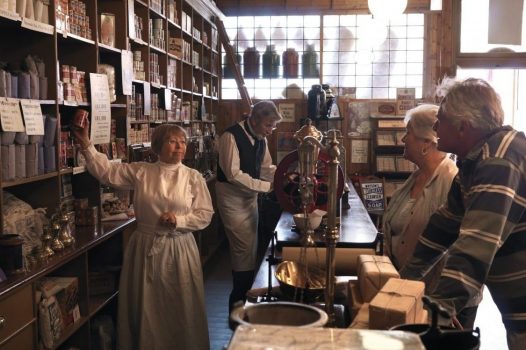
x,y
483,227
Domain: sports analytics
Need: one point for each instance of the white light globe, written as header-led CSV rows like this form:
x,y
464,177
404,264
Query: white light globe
x,y
386,8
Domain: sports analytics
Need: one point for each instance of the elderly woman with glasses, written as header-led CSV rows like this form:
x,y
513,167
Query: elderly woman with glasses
x,y
420,196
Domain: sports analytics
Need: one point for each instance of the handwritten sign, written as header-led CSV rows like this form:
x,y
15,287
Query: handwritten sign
x,y
287,111
100,108
32,117
127,72
405,100
9,15
373,195
10,115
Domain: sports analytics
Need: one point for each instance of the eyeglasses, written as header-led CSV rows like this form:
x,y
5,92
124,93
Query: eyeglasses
x,y
271,127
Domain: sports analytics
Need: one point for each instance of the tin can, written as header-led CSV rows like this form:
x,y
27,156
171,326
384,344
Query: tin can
x,y
80,119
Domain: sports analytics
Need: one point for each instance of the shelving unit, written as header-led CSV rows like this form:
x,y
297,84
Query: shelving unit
x,y
388,151
167,82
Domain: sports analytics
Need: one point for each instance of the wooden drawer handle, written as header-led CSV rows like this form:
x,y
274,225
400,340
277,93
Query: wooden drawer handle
x,y
3,322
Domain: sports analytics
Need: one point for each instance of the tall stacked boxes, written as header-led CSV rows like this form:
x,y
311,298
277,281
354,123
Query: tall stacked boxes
x,y
398,302
373,272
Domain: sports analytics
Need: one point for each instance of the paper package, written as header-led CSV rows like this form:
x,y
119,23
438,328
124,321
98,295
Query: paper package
x,y
354,298
398,302
373,273
361,320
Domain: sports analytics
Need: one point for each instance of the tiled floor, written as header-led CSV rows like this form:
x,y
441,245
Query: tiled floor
x,y
218,277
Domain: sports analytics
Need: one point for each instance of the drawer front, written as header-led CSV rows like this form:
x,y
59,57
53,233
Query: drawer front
x,y
16,310
22,341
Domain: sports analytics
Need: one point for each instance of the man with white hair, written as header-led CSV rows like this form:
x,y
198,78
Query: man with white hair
x,y
245,169
482,226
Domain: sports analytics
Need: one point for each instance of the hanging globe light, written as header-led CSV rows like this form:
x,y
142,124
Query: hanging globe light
x,y
385,9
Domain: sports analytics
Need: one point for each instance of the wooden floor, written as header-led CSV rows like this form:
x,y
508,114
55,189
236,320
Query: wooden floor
x,y
217,275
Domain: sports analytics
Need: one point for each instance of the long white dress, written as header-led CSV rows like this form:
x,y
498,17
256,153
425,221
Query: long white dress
x,y
161,292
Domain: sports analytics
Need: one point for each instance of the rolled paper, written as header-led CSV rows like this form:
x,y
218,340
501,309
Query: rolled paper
x,y
30,10
38,10
32,159
21,138
8,137
50,130
45,14
4,5
14,86
8,162
42,85
24,85
11,5
7,77
21,7
34,86
3,92
41,166
49,159
20,161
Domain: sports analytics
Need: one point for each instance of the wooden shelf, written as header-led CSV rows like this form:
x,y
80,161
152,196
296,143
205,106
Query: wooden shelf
x,y
11,183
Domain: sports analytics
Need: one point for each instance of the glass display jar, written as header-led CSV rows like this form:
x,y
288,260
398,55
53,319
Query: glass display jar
x,y
316,102
329,99
270,62
228,70
290,63
310,62
251,63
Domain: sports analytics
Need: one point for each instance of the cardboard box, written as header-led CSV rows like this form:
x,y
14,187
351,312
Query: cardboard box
x,y
66,291
373,273
361,320
398,302
354,298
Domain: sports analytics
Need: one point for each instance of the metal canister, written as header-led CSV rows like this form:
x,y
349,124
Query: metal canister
x,y
80,119
11,257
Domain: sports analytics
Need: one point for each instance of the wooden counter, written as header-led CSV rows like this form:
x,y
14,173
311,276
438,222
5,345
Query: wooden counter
x,y
357,234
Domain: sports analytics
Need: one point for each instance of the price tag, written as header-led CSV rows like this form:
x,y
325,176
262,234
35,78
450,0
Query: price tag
x,y
32,117
10,115
9,15
37,26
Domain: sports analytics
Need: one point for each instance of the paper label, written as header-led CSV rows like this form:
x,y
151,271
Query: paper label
x,y
100,109
10,115
33,118
9,15
37,26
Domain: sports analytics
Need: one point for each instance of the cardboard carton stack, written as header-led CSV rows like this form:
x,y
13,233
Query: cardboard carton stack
x,y
380,299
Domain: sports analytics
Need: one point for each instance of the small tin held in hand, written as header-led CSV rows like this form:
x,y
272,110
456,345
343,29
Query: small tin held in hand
x,y
80,119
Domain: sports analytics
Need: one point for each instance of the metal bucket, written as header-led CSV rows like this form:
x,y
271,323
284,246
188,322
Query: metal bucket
x,y
443,337
298,284
280,313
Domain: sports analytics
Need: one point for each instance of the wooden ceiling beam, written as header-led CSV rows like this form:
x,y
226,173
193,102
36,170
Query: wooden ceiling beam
x,y
306,7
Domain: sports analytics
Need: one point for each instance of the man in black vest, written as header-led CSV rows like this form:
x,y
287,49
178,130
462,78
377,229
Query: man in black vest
x,y
245,169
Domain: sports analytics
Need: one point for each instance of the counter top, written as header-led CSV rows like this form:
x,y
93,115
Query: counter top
x,y
262,337
356,227
86,237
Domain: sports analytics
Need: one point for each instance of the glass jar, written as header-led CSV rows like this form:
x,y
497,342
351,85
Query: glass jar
x,y
270,62
316,102
228,70
251,63
290,63
310,62
329,99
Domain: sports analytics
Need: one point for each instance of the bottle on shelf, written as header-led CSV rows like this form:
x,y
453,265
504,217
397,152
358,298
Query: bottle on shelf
x,y
290,63
329,100
228,70
270,62
316,102
310,63
251,63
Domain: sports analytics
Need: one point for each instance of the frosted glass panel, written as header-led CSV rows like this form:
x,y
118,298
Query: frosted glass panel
x,y
381,81
474,28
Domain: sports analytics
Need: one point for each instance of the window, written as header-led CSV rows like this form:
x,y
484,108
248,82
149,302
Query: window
x,y
355,52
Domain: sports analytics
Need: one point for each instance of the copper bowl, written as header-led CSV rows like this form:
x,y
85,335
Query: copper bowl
x,y
299,284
